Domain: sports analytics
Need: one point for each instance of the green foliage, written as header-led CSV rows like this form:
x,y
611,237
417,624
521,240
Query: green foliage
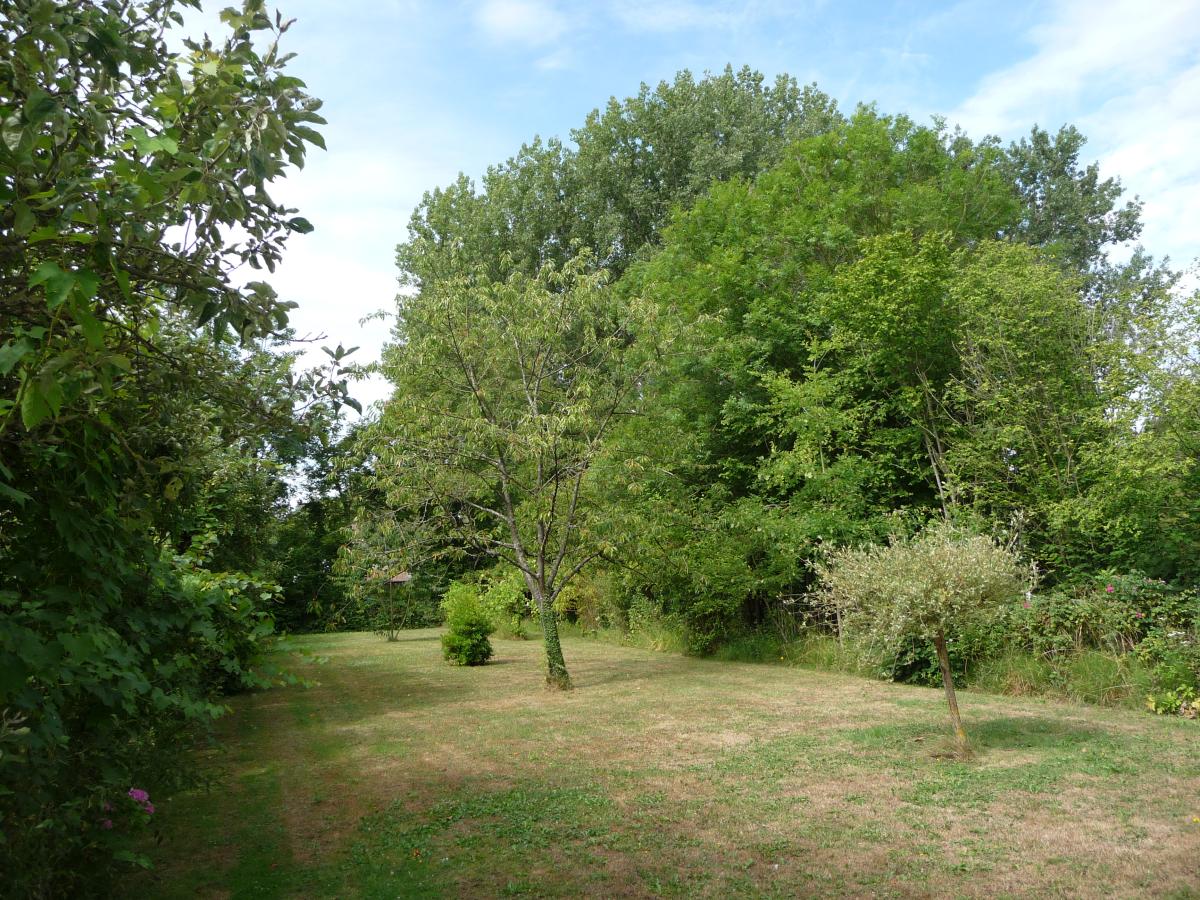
x,y
636,160
1083,676
872,324
308,536
504,395
935,583
1069,209
504,598
853,347
649,627
466,643
145,426
1182,701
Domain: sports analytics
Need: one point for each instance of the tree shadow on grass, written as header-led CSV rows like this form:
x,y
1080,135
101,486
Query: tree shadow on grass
x,y
1030,733
1005,733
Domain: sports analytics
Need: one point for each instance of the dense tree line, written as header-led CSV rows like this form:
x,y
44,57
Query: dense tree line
x,y
860,324
670,372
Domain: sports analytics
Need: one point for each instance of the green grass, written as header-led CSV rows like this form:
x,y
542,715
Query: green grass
x,y
660,775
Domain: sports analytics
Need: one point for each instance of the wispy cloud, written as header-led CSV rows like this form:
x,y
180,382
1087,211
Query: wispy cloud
x,y
558,59
676,15
1083,48
1128,74
524,23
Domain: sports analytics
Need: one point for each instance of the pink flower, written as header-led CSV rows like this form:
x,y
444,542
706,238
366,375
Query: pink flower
x,y
1138,615
149,807
1026,604
139,795
106,823
1110,589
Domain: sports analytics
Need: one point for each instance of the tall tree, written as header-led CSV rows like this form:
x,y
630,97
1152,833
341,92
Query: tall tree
x,y
634,162
870,331
505,393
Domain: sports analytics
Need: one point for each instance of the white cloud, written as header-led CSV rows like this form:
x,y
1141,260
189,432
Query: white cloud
x,y
673,15
551,62
1083,48
528,23
664,16
1127,73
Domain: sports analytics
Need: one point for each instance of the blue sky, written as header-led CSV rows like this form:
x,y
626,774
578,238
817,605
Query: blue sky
x,y
416,92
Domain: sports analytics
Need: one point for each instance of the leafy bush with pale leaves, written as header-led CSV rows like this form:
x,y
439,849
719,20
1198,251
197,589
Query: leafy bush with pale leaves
x,y
941,580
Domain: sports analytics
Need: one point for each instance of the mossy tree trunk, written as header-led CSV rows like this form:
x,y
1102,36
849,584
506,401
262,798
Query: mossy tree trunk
x,y
557,676
962,745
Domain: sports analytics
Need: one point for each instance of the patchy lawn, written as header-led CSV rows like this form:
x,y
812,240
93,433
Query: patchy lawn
x,y
400,776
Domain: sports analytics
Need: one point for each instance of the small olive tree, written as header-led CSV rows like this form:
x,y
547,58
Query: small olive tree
x,y
924,587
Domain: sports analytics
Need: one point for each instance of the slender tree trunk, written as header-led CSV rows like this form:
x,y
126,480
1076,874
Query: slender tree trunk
x,y
556,666
960,736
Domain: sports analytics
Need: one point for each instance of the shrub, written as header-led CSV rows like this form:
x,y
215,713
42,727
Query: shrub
x,y
1110,612
505,602
937,583
589,600
653,629
1182,701
1173,658
466,643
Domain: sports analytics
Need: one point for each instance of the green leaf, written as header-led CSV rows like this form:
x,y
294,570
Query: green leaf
x,y
34,409
123,283
210,309
172,488
12,352
166,105
93,328
44,273
149,145
39,106
136,859
58,289
300,225
311,135
89,283
58,283
18,497
23,218
12,132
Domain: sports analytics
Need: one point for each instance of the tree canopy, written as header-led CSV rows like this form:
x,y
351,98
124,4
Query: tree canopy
x,y
147,420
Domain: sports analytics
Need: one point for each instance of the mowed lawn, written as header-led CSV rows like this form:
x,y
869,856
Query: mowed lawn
x,y
397,775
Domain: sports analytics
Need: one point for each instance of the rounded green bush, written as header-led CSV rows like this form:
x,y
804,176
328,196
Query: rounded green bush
x,y
466,643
